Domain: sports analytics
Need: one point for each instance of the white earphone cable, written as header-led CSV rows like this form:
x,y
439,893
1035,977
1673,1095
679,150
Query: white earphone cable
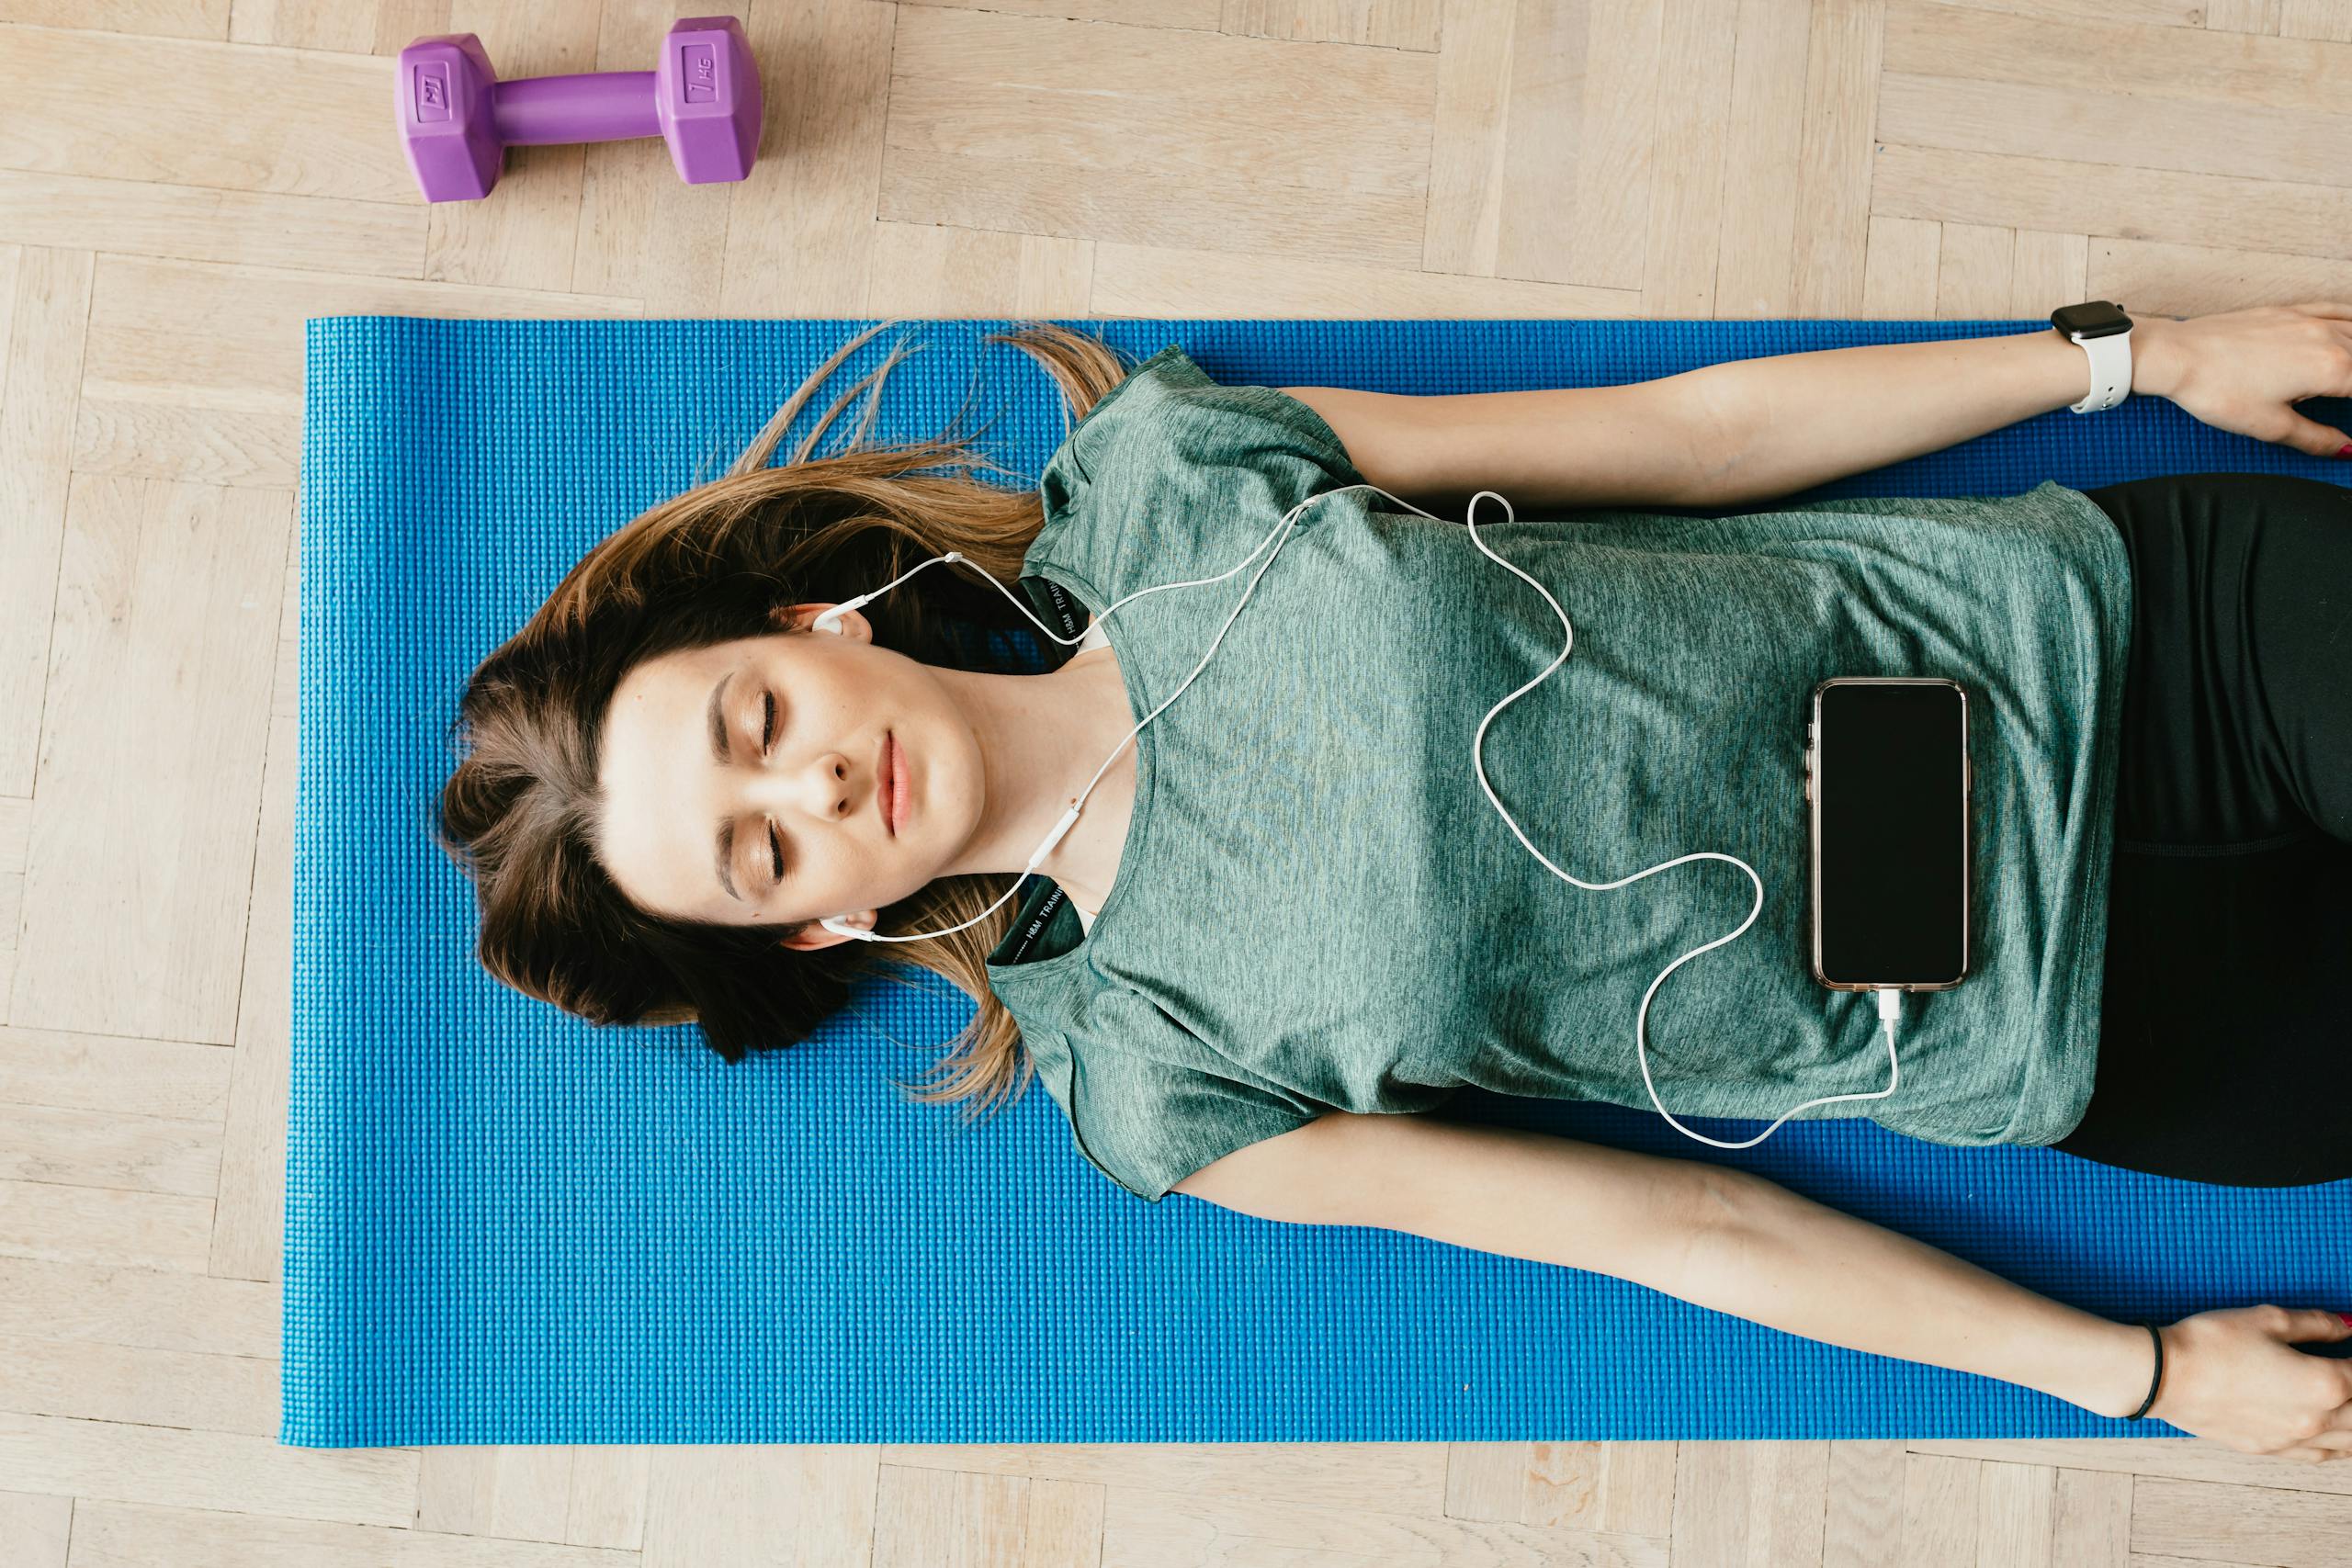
x,y
1890,999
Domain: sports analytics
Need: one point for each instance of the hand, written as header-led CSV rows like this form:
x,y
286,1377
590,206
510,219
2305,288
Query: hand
x,y
2242,369
2233,1376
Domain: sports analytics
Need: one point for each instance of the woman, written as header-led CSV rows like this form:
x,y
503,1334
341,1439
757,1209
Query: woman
x,y
1308,924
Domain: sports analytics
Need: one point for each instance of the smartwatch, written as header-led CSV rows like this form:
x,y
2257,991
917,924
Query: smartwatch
x,y
2105,332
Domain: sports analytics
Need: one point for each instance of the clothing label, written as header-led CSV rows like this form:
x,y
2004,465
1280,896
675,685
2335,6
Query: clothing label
x,y
1062,605
1027,936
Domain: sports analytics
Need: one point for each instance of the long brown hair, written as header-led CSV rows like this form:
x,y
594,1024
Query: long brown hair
x,y
719,562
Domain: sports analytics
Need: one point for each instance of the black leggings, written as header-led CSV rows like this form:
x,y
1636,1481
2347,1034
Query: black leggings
x,y
2225,1045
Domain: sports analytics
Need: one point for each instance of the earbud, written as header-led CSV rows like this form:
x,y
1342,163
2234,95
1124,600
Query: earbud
x,y
842,928
831,620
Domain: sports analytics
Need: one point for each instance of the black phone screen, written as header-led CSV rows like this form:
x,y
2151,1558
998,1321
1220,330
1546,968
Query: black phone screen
x,y
1889,769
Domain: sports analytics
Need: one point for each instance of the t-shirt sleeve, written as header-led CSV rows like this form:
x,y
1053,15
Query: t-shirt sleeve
x,y
1171,466
1147,1124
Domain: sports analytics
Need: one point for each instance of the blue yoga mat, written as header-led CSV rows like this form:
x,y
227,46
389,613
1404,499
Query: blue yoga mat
x,y
503,1225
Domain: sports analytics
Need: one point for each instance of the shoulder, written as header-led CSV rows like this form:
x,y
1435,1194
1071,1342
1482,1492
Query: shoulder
x,y
1169,412
1148,1122
1173,465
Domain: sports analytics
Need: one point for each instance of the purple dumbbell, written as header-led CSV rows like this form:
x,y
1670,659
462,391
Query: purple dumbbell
x,y
457,119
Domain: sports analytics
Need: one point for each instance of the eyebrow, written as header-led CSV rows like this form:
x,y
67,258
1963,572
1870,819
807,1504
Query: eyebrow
x,y
726,850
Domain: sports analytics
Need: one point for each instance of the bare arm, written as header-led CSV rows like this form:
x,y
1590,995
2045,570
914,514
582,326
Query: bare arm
x,y
1794,421
1636,443
1708,1234
1722,435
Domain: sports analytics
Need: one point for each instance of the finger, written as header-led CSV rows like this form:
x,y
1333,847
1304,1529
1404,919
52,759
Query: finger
x,y
2305,1324
2335,308
2318,441
2308,1454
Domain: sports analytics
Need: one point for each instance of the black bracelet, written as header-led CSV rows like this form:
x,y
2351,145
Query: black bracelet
x,y
2153,1381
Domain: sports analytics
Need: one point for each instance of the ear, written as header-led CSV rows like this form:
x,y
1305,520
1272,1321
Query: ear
x,y
798,617
817,937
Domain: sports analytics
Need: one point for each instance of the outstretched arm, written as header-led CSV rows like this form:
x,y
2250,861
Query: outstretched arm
x,y
1741,1244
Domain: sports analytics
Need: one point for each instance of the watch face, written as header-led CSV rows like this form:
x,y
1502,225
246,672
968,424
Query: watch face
x,y
2095,318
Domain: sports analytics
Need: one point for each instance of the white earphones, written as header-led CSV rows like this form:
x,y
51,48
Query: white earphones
x,y
829,621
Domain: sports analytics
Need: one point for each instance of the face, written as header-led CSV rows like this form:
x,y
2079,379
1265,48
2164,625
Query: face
x,y
802,721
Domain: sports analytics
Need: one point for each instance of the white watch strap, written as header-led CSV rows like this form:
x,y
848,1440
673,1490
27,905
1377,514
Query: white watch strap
x,y
2110,370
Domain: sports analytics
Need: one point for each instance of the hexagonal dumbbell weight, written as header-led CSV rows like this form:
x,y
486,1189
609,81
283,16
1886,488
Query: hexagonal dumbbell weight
x,y
457,119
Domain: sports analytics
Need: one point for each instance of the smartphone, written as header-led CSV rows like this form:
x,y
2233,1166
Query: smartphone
x,y
1890,796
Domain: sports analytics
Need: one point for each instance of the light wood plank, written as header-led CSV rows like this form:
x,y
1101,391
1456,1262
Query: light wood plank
x,y
2328,20
2092,1527
2172,280
965,272
138,1308
104,1149
1152,1528
792,1503
249,1216
1637,1491
326,130
323,234
39,1376
1488,1481
926,1517
1835,193
16,826
1683,253
34,1529
1464,208
1941,1511
195,372
139,1230
582,1496
2108,198
377,27
1757,1503
113,1073
1064,1528
1140,280
198,1535
48,296
2199,1521
152,18
1192,15
2016,1522
1223,143
1390,24
801,231
2186,1459
1973,271
143,824
1335,1475
1862,1520
1755,266
227,1473
2154,47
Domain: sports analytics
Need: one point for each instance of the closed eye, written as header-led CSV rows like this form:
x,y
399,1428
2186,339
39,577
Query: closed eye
x,y
767,721
775,850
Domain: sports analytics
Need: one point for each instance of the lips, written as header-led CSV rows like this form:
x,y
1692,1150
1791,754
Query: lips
x,y
884,790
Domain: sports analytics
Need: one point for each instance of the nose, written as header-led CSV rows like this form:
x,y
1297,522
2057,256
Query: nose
x,y
823,789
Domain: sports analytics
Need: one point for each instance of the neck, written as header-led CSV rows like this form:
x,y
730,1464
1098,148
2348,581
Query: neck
x,y
1041,739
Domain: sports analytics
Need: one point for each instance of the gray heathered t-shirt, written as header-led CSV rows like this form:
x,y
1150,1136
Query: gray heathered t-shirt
x,y
1316,906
